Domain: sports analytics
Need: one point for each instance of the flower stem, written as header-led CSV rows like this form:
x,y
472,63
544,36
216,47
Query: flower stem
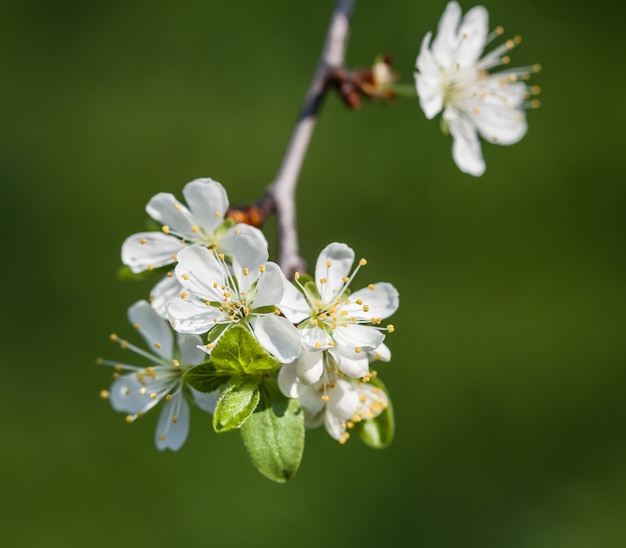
x,y
281,192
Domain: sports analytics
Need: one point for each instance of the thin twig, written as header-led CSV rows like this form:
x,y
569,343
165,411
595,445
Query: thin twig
x,y
281,192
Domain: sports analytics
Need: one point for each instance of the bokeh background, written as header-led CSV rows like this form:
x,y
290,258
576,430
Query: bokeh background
x,y
508,371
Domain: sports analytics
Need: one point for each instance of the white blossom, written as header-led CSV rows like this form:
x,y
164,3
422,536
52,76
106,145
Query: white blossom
x,y
218,295
140,390
201,222
337,402
332,320
453,76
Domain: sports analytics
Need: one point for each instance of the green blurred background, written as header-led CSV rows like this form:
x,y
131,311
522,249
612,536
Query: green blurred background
x,y
508,370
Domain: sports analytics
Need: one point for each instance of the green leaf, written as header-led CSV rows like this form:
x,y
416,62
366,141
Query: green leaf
x,y
238,401
205,378
274,434
378,432
238,351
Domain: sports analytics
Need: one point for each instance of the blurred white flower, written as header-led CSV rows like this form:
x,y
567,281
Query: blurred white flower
x,y
453,76
140,390
201,222
246,291
332,320
336,401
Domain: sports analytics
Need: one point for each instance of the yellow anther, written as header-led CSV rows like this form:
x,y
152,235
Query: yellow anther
x,y
161,437
99,361
214,285
323,280
137,326
185,276
219,214
535,103
345,279
477,110
344,438
517,39
118,367
277,312
510,43
535,90
506,60
208,346
174,257
142,390
358,349
157,345
169,397
325,397
318,344
129,419
331,343
116,376
150,372
362,398
174,419
169,275
359,302
165,229
363,262
150,267
537,67
262,268
113,337
371,287
184,295
296,276
195,228
123,344
220,256
104,394
153,396
499,30
390,328
350,424
143,241
245,271
366,308
177,206
175,363
328,263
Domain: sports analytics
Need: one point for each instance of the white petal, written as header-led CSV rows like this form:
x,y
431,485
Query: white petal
x,y
381,301
356,368
153,328
147,250
201,273
428,81
248,251
270,286
188,351
335,426
173,425
163,292
168,211
205,400
343,400
381,353
315,337
501,122
126,395
340,257
208,203
466,149
228,239
278,336
445,44
293,305
288,380
473,35
310,366
193,316
354,336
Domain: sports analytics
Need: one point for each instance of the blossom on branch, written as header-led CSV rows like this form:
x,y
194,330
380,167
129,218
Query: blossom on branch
x,y
453,76
201,222
332,320
142,388
218,294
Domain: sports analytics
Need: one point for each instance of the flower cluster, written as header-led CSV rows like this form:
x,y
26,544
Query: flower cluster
x,y
223,305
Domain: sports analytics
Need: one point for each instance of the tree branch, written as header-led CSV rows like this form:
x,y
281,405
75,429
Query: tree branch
x,y
281,192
